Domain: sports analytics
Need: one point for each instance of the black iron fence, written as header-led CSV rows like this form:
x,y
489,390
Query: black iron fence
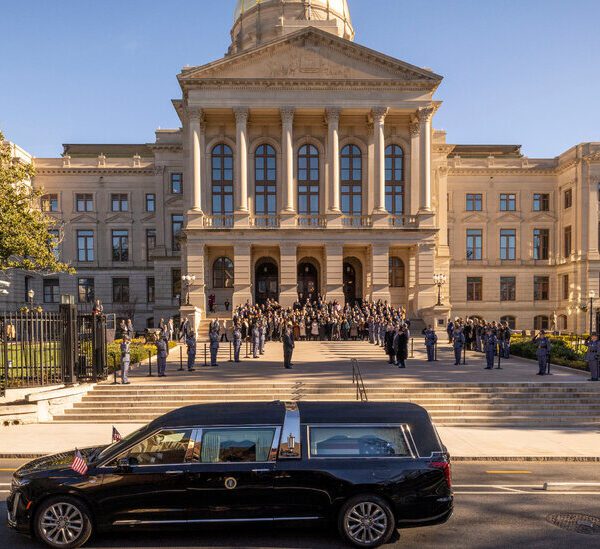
x,y
43,348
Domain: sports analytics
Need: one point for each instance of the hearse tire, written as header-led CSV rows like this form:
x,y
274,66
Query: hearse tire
x,y
63,522
366,521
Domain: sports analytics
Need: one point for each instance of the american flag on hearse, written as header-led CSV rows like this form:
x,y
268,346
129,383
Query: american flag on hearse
x,y
116,436
79,464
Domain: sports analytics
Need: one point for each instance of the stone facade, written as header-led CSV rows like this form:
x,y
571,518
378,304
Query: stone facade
x,y
309,165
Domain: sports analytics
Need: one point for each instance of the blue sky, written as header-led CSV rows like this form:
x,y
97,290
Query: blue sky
x,y
516,71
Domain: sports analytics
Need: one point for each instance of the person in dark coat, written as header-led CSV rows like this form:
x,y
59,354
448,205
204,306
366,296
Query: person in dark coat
x,y
592,356
162,350
401,347
288,347
190,341
389,345
430,342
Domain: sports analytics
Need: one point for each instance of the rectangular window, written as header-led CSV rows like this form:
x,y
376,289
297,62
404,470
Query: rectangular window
x,y
50,203
568,198
150,290
474,244
508,288
231,445
474,288
168,447
541,243
349,442
541,288
150,202
84,202
508,202
85,290
120,287
150,243
541,202
474,202
567,243
565,287
176,228
119,203
176,283
120,245
176,183
508,244
51,290
85,246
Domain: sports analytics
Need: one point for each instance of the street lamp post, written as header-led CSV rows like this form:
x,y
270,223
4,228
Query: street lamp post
x,y
188,280
439,280
592,297
31,295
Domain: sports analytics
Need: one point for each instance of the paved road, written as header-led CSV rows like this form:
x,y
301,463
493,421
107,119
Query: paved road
x,y
498,505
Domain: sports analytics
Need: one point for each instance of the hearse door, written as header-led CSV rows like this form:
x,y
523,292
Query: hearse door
x,y
233,477
148,482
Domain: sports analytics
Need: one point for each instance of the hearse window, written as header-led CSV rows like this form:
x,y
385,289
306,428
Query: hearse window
x,y
236,445
162,448
346,441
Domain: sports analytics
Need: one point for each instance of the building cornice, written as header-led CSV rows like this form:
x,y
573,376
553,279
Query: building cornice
x,y
93,171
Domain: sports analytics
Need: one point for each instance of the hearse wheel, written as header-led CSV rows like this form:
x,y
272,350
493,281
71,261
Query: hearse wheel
x,y
63,522
366,521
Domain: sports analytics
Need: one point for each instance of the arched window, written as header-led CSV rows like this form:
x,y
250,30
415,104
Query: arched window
x,y
394,180
265,178
541,322
563,322
308,180
510,320
222,180
396,272
223,273
351,180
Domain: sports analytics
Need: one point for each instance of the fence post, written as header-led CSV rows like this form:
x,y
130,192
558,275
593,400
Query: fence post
x,y
464,354
205,362
114,368
435,352
230,352
247,353
180,358
68,315
149,364
412,347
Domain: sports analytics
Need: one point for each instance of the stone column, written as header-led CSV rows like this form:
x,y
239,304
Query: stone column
x,y
334,272
288,268
195,118
287,149
425,115
242,266
379,114
241,124
414,185
333,150
194,265
380,266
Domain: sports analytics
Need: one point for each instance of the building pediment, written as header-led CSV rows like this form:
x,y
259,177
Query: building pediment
x,y
84,218
311,54
508,218
119,218
543,217
149,218
475,218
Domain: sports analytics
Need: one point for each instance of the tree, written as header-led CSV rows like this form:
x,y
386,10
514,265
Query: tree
x,y
25,238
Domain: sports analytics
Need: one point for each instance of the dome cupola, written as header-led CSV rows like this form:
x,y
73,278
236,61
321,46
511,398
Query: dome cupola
x,y
259,21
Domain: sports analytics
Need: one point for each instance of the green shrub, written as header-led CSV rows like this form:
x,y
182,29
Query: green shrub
x,y
562,352
138,350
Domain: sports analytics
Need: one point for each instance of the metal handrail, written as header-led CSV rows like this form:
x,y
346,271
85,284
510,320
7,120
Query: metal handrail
x,y
357,379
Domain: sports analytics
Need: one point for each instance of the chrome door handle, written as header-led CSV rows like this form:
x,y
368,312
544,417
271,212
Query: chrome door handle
x,y
173,472
261,470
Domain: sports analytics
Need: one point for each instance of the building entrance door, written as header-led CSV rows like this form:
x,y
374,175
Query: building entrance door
x,y
349,284
266,282
308,282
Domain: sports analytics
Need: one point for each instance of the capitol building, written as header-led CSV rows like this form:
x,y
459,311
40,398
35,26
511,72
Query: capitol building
x,y
308,164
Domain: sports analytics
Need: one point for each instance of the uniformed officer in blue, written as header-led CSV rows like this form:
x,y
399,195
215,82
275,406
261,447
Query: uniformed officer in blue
x,y
255,340
490,342
213,337
458,343
262,334
190,341
430,342
162,350
544,348
125,360
592,356
237,342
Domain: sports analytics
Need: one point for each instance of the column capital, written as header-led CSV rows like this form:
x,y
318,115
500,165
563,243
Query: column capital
x,y
241,115
332,115
287,115
426,113
414,127
379,114
195,114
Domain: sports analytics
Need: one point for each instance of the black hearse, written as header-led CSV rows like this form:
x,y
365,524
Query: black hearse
x,y
367,467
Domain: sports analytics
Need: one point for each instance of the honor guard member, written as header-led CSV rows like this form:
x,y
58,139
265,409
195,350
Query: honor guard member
x,y
214,347
371,329
162,350
262,333
592,356
255,340
237,342
190,341
288,346
458,343
430,342
125,360
490,342
544,347
376,331
382,330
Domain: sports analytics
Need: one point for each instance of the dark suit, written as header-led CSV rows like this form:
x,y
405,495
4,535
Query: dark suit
x,y
288,348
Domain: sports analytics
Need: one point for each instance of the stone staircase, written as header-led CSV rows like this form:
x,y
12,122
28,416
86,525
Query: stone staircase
x,y
563,405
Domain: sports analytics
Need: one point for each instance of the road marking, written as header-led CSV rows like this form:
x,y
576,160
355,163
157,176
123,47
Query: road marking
x,y
4,483
523,493
508,472
8,470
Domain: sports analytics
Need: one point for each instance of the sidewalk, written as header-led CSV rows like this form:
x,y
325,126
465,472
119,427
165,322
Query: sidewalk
x,y
464,443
